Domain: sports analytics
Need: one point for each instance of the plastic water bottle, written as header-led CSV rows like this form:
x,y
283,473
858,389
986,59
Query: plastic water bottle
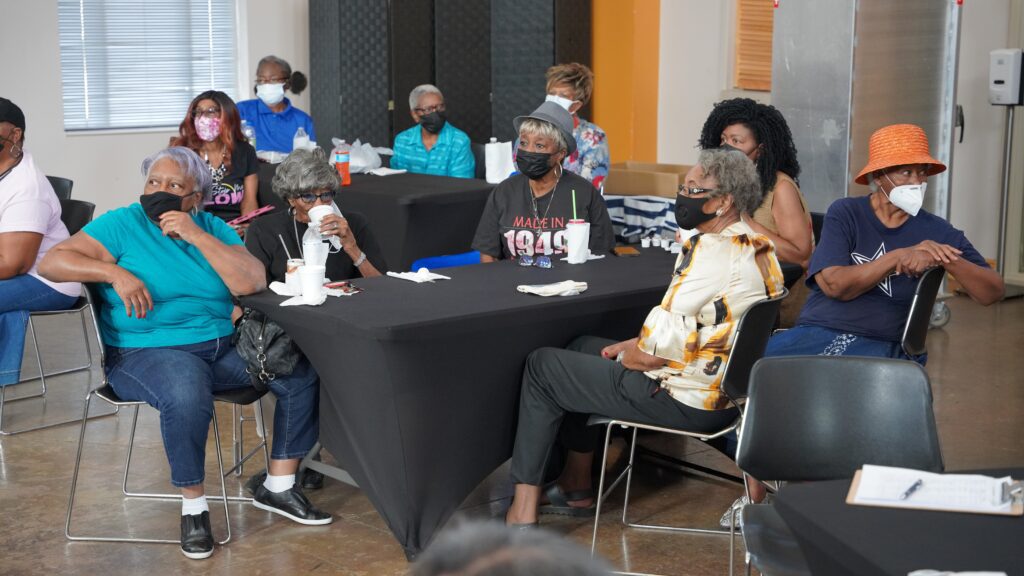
x,y
341,156
250,133
301,139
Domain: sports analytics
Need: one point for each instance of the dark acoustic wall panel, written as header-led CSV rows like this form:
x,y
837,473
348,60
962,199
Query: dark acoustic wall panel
x,y
363,32
573,35
522,49
324,68
412,54
462,52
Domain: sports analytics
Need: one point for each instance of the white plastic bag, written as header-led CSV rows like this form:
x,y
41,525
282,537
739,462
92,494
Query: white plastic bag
x,y
363,157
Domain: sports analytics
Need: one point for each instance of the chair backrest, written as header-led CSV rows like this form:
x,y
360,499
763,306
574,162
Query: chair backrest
x,y
823,417
915,331
817,220
76,214
61,186
92,295
478,156
752,334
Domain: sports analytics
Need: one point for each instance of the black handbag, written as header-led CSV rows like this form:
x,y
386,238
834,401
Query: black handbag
x,y
267,349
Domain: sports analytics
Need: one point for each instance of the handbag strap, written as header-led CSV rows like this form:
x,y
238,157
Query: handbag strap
x,y
261,356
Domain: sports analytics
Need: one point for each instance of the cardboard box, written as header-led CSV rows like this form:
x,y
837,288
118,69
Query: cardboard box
x,y
645,179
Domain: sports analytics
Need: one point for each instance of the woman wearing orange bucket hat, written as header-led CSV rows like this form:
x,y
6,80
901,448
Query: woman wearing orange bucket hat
x,y
864,271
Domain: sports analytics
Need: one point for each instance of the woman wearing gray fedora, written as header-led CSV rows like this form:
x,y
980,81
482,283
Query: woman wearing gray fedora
x,y
526,215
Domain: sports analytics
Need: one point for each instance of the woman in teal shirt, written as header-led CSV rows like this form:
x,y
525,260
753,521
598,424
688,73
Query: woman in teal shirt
x,y
166,273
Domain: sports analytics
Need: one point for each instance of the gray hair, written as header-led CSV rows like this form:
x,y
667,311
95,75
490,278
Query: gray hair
x,y
304,171
488,548
736,176
420,91
189,162
535,127
285,66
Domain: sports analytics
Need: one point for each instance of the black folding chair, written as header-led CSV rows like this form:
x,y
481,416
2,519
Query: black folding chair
x,y
75,214
915,331
750,340
61,186
822,418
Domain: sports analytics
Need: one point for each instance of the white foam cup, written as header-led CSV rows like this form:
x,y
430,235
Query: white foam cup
x,y
311,278
314,252
577,240
291,275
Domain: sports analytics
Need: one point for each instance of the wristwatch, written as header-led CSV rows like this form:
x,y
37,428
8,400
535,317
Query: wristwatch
x,y
359,261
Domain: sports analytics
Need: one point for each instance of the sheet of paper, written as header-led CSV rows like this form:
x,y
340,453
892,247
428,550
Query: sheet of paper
x,y
886,486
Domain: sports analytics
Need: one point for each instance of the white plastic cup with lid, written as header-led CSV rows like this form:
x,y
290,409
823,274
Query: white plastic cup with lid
x,y
314,252
311,278
577,241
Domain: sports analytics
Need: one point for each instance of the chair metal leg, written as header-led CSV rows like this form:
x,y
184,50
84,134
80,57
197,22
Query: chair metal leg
x,y
240,459
39,360
261,431
237,418
3,403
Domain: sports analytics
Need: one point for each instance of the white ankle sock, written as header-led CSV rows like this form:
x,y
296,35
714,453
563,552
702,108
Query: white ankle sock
x,y
277,484
193,506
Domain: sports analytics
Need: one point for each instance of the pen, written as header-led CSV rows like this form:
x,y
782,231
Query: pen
x,y
913,488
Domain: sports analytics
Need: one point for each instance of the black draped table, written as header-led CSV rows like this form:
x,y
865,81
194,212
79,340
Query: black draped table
x,y
842,539
412,215
420,382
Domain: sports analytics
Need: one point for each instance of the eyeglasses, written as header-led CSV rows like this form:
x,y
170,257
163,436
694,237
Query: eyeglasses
x,y
310,197
208,113
429,109
270,80
539,261
686,191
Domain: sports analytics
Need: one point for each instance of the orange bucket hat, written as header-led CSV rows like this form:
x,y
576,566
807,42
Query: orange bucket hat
x,y
898,145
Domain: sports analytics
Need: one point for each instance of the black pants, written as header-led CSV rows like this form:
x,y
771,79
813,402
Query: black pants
x,y
562,387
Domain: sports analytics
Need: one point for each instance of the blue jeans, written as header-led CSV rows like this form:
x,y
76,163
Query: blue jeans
x,y
180,382
819,341
19,296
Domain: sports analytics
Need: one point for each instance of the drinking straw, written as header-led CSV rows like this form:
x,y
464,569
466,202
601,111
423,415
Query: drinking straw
x,y
574,204
285,246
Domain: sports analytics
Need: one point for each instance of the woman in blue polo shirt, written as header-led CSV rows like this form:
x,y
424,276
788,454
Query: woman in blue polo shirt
x,y
270,113
166,271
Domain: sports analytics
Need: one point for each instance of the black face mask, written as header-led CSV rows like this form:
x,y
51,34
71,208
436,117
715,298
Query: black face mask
x,y
157,203
433,122
533,164
689,213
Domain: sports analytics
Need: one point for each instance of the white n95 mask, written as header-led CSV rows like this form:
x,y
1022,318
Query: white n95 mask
x,y
908,197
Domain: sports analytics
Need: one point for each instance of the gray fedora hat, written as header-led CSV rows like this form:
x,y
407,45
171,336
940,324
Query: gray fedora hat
x,y
555,115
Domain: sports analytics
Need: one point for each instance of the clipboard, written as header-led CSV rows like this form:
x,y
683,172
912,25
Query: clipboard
x,y
1012,491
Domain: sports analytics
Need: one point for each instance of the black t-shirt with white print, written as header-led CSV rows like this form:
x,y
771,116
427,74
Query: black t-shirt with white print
x,y
509,226
229,185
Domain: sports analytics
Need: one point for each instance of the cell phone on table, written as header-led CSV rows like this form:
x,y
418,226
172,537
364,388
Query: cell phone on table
x,y
345,286
251,215
626,251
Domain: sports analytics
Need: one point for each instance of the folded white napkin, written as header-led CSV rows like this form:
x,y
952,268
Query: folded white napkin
x,y
382,171
590,257
282,289
421,275
298,301
567,288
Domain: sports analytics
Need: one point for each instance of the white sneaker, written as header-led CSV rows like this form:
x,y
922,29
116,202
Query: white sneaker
x,y
735,508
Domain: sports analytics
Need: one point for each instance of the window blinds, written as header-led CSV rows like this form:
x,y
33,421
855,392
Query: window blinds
x,y
138,63
753,70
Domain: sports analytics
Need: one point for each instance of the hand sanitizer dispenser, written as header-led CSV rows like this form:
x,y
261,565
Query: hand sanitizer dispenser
x,y
1004,81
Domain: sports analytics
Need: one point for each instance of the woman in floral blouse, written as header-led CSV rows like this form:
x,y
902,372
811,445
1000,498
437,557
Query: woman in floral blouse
x,y
571,85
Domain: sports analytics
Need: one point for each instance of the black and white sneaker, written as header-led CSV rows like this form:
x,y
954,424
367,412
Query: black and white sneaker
x,y
292,504
196,536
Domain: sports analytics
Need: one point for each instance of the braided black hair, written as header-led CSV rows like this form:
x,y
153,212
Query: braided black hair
x,y
778,153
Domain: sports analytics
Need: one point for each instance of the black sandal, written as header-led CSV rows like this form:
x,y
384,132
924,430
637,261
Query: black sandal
x,y
558,502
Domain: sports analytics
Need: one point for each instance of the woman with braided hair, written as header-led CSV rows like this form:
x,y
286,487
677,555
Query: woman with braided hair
x,y
759,131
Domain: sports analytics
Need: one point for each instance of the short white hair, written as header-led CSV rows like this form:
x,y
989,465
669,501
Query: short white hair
x,y
421,91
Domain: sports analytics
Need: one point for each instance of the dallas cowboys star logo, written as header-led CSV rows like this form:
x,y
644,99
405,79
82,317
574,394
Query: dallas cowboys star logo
x,y
885,285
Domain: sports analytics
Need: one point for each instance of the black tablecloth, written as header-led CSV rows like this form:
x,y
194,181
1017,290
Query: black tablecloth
x,y
843,539
420,382
412,215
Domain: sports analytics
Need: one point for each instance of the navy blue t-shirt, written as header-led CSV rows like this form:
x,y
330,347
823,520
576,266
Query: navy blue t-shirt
x,y
852,234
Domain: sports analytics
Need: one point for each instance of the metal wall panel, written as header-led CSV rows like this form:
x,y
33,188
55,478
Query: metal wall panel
x,y
324,68
412,54
462,49
522,49
812,51
573,35
904,71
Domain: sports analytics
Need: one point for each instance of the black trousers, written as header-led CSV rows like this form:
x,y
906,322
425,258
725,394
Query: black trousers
x,y
561,388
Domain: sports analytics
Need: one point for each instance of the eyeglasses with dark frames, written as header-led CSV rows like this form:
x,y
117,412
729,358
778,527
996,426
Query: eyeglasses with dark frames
x,y
429,109
213,112
687,191
310,197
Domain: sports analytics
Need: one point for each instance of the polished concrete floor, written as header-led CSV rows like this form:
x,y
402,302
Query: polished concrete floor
x,y
976,363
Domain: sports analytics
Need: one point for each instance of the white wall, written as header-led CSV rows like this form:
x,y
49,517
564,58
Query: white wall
x,y
976,190
105,167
